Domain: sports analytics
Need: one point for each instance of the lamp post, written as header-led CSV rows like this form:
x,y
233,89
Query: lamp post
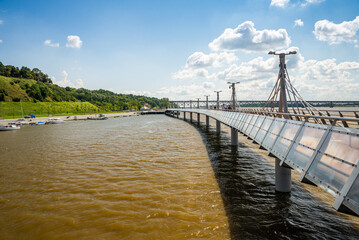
x,y
283,174
234,132
283,104
217,98
206,101
207,117
198,102
218,123
233,86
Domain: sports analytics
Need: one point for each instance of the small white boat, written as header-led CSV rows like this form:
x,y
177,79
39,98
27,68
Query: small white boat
x,y
9,127
54,121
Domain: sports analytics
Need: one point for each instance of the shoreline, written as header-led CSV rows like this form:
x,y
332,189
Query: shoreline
x,y
69,118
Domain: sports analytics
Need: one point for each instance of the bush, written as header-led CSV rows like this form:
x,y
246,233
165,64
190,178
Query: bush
x,y
16,99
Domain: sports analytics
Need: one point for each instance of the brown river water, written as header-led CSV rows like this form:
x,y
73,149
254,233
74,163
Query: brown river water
x,y
149,177
146,177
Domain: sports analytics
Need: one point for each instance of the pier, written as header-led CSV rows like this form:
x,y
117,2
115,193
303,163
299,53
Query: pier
x,y
323,146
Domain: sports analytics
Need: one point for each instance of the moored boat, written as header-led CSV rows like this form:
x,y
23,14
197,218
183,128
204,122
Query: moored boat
x,y
54,121
9,127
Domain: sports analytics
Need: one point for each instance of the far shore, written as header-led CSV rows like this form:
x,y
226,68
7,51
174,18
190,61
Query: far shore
x,y
69,118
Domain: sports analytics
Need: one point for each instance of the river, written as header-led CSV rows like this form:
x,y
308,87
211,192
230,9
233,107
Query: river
x,y
148,177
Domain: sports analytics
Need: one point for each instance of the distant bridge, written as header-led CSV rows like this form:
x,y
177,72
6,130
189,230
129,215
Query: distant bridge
x,y
325,155
257,103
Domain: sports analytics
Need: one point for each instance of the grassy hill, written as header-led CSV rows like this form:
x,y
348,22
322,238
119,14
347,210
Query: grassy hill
x,y
44,109
44,98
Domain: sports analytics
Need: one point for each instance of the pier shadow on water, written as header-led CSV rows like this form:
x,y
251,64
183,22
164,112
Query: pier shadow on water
x,y
254,209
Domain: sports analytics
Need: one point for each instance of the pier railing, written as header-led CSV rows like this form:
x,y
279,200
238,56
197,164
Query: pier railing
x,y
345,118
325,155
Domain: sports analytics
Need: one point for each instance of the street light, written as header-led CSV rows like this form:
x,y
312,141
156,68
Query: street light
x,y
206,100
217,98
283,104
233,86
198,102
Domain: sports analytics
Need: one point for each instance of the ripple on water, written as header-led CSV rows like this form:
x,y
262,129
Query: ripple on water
x,y
124,178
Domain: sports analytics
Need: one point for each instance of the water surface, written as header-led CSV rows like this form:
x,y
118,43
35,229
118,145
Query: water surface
x,y
146,177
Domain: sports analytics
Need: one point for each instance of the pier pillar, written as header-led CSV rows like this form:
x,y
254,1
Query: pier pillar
x,y
198,118
207,121
178,114
234,137
190,117
184,115
218,126
283,180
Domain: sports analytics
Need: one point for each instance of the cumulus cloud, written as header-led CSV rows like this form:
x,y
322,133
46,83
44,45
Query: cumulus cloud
x,y
198,63
186,92
298,23
307,2
73,41
188,73
201,60
51,44
279,3
0,41
245,37
138,93
208,85
65,82
332,33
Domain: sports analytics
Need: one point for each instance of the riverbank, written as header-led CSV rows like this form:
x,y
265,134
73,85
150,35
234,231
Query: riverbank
x,y
70,118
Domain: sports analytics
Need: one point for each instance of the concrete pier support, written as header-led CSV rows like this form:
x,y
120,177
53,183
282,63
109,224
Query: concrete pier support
x,y
198,118
184,115
218,126
234,137
178,114
207,121
283,180
190,117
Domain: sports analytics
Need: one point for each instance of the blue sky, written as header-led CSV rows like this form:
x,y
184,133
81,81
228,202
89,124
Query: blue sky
x,y
182,50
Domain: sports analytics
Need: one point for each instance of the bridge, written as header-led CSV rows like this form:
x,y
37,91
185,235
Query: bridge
x,y
322,146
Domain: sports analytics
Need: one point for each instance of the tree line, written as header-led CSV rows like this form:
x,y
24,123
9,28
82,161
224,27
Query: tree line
x,y
24,72
43,90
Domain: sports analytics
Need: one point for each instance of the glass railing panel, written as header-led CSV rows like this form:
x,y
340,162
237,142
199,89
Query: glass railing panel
x,y
330,171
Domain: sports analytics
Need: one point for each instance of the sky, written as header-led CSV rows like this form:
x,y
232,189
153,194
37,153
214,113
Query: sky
x,y
185,49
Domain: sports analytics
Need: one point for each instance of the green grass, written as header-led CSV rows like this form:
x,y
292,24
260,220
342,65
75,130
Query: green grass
x,y
44,109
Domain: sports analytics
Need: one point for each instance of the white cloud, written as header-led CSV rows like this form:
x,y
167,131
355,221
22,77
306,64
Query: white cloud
x,y
50,44
245,37
138,93
1,41
65,82
208,85
332,33
307,2
198,63
279,3
1,21
201,60
73,41
298,23
188,73
186,92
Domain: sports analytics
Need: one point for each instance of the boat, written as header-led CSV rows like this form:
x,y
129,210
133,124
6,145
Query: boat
x,y
100,117
9,127
54,121
22,121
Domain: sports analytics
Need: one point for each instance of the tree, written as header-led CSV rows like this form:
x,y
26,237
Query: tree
x,y
26,72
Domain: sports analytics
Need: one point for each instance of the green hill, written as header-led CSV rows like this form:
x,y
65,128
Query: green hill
x,y
33,86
